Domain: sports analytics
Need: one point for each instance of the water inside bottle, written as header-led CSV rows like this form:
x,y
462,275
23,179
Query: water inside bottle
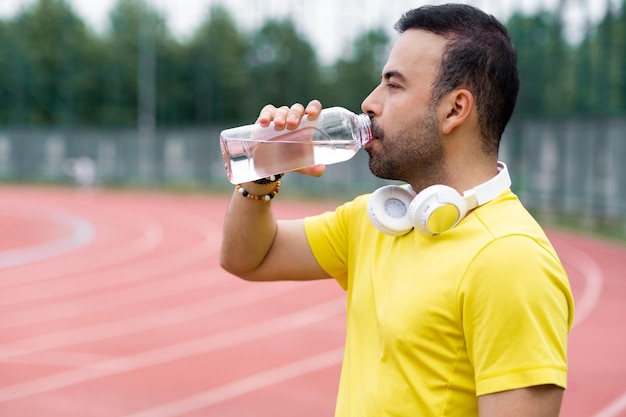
x,y
249,159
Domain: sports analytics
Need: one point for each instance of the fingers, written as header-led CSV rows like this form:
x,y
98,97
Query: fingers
x,y
288,117
266,115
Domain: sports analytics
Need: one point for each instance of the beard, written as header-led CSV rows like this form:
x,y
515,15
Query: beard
x,y
414,154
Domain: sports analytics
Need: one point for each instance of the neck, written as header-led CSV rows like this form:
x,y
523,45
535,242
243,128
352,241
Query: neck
x,y
463,173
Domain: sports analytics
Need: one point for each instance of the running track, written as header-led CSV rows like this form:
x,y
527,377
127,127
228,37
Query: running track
x,y
114,305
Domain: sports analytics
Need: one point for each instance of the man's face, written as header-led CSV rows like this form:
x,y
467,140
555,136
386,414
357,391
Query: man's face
x,y
407,145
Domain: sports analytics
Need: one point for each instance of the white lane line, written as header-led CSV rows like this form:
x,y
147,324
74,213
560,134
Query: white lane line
x,y
245,385
241,335
170,287
82,232
23,285
151,235
585,305
594,279
142,323
109,277
614,409
60,358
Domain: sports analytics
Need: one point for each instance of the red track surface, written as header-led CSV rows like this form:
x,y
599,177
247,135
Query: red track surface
x,y
115,306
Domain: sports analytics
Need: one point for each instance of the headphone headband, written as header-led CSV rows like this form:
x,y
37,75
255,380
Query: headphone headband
x,y
397,210
489,190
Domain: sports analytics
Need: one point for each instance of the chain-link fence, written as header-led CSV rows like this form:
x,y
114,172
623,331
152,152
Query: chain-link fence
x,y
572,167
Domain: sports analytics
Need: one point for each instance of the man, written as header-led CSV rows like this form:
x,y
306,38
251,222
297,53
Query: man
x,y
465,319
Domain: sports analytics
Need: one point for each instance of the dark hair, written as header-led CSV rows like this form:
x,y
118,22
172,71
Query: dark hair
x,y
479,56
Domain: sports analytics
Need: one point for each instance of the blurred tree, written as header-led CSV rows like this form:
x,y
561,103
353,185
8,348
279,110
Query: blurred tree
x,y
583,70
283,68
605,52
355,77
120,65
216,72
50,57
134,44
618,63
55,71
11,86
175,86
545,65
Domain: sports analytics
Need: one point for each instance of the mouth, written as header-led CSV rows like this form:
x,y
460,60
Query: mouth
x,y
372,139
376,134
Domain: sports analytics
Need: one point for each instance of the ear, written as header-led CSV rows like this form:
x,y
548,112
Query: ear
x,y
457,106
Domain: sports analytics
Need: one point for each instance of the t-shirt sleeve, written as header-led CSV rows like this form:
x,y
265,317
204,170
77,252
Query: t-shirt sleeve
x,y
329,238
517,310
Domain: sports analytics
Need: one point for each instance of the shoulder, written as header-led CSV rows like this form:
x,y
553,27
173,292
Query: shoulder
x,y
514,249
506,230
515,262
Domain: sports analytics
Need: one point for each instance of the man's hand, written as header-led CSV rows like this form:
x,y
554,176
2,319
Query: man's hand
x,y
257,247
289,118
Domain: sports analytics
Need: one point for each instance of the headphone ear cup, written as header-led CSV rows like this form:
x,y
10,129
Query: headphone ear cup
x,y
387,209
436,209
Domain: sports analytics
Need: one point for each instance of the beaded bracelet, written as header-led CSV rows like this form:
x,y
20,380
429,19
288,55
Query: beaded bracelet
x,y
270,179
261,198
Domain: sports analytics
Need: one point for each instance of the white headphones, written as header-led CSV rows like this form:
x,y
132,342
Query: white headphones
x,y
396,210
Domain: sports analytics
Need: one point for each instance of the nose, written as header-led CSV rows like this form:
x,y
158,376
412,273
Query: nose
x,y
371,105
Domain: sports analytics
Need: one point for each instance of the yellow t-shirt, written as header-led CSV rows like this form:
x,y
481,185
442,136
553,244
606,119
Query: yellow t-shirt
x,y
435,321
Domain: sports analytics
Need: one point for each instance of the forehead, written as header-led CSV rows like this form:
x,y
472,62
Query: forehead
x,y
416,53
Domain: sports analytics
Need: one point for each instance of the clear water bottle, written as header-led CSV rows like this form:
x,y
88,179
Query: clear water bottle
x,y
251,152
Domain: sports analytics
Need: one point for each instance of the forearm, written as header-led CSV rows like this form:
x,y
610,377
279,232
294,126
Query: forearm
x,y
252,246
537,401
249,231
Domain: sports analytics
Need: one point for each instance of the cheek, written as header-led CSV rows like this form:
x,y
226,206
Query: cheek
x,y
403,109
399,121
403,113
393,118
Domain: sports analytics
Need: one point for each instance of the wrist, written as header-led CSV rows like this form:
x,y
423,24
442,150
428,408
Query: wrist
x,y
269,180
263,190
254,188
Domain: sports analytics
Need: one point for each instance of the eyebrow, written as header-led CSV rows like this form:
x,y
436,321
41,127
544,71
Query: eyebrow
x,y
393,73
